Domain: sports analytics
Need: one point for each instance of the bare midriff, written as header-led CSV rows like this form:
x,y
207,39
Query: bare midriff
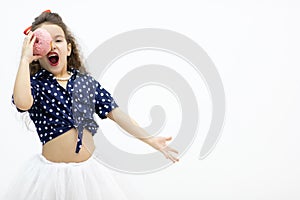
x,y
62,148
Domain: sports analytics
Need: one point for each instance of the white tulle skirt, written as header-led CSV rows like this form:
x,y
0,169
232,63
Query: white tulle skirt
x,y
41,179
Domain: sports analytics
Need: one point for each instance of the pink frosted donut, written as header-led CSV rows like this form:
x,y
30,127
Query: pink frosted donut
x,y
42,44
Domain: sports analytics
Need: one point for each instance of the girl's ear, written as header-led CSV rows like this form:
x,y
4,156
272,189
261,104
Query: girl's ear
x,y
69,49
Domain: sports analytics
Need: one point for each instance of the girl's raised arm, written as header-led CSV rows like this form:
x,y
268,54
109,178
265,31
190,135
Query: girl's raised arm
x,y
22,89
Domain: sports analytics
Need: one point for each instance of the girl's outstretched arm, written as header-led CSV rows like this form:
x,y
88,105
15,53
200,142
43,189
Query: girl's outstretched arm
x,y
131,126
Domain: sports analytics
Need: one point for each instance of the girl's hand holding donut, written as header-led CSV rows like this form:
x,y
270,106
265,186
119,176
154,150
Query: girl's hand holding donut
x,y
27,49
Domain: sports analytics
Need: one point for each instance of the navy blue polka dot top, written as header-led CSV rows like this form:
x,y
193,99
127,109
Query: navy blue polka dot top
x,y
56,110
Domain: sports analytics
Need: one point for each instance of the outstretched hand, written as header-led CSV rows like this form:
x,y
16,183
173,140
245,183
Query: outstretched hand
x,y
159,143
132,127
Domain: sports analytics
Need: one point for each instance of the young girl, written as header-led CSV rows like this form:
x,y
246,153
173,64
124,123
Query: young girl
x,y
61,97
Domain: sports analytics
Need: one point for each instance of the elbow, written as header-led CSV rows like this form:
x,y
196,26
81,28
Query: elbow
x,y
113,114
22,103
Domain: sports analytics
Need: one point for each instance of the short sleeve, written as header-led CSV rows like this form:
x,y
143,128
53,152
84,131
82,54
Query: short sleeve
x,y
33,93
104,102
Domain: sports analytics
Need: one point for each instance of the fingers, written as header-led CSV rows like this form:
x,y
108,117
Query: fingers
x,y
35,58
27,49
170,156
167,151
28,37
32,38
160,144
173,150
173,158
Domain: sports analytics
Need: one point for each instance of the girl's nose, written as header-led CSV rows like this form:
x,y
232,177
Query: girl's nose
x,y
53,46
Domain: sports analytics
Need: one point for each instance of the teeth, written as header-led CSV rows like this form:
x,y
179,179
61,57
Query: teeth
x,y
52,54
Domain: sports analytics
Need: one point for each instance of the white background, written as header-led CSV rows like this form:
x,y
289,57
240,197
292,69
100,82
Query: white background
x,y
255,47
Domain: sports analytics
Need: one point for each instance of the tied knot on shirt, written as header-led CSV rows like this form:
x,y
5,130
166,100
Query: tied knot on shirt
x,y
83,107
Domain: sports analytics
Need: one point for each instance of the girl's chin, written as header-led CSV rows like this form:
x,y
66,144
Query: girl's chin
x,y
54,69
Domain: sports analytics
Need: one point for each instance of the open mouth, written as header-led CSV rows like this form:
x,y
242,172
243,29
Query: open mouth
x,y
53,58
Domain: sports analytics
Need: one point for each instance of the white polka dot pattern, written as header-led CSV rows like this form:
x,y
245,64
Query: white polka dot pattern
x,y
56,110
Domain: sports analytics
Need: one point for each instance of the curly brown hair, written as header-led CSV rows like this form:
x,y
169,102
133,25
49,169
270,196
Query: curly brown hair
x,y
74,60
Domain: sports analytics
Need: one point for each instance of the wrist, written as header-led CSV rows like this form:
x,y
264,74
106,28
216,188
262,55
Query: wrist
x,y
148,140
25,60
151,141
